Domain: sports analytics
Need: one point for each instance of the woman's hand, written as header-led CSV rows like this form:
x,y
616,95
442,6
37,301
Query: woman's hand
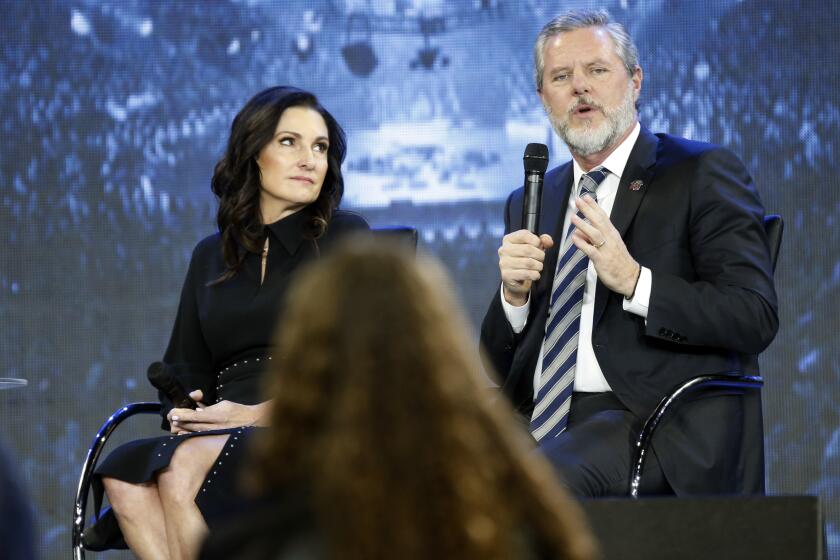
x,y
224,414
174,415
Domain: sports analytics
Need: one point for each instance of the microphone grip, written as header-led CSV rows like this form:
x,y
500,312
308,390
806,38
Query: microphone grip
x,y
179,396
169,385
532,203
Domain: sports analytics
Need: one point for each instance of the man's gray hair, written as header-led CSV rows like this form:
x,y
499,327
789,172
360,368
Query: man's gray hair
x,y
581,19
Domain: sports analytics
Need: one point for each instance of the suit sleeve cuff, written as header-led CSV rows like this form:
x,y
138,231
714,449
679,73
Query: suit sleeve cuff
x,y
641,298
516,316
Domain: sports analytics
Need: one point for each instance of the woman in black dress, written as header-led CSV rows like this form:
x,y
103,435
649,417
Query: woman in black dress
x,y
279,185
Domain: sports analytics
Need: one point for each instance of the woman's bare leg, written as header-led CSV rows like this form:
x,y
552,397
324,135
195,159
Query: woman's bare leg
x,y
178,485
140,515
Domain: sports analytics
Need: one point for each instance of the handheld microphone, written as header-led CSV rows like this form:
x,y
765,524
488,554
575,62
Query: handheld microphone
x,y
166,383
536,162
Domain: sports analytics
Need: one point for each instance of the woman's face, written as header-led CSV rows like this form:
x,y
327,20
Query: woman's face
x,y
293,165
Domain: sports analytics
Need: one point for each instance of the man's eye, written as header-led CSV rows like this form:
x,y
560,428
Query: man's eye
x,y
599,70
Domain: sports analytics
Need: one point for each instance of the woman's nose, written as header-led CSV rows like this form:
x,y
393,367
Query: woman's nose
x,y
307,159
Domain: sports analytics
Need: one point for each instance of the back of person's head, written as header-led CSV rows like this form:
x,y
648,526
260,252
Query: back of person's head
x,y
381,411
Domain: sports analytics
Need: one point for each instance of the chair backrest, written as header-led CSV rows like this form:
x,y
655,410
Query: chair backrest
x,y
774,226
403,235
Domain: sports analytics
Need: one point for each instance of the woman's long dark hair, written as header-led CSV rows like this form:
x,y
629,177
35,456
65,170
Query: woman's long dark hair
x,y
387,420
236,179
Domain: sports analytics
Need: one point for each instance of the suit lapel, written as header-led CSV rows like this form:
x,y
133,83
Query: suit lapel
x,y
638,173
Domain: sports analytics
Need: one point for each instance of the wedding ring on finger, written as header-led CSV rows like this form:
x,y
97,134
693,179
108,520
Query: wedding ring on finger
x,y
601,244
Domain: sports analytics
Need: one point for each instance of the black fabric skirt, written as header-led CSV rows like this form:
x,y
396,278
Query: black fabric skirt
x,y
140,460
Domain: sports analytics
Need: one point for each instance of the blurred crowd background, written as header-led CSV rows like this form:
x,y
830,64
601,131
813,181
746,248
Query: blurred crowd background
x,y
113,113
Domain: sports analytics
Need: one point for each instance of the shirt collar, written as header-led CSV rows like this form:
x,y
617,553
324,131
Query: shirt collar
x,y
616,161
289,230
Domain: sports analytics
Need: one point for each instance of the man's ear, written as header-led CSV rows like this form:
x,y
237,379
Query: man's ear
x,y
637,78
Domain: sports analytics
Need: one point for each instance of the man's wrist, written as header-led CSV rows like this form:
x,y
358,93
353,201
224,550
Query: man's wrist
x,y
635,283
516,300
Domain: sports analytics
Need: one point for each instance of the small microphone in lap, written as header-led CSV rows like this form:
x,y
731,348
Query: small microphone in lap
x,y
166,383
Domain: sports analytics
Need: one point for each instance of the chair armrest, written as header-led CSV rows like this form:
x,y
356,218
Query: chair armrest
x,y
717,380
96,446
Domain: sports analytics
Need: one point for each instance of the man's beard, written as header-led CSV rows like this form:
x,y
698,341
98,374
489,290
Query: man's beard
x,y
586,140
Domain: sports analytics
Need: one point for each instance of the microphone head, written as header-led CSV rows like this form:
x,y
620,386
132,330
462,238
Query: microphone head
x,y
167,384
535,158
156,374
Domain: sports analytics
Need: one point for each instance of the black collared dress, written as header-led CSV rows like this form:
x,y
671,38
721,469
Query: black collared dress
x,y
221,343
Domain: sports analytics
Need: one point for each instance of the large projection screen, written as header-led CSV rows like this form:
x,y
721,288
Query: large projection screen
x,y
114,112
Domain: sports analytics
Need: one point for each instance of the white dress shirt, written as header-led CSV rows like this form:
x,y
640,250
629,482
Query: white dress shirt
x,y
588,374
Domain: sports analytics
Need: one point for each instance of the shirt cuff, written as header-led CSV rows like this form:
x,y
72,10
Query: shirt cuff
x,y
641,298
516,316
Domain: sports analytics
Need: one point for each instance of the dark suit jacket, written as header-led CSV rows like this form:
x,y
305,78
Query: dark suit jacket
x,y
697,224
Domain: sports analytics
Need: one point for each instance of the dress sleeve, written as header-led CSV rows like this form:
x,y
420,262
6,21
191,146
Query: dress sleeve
x,y
188,357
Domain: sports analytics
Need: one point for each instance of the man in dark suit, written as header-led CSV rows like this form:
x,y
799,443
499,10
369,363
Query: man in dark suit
x,y
653,268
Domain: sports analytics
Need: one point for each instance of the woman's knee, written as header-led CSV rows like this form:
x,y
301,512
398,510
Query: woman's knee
x,y
180,481
127,498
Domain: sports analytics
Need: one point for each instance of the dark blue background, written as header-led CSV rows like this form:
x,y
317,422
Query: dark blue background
x,y
113,113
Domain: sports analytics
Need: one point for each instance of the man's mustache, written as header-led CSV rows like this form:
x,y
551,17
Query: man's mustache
x,y
584,101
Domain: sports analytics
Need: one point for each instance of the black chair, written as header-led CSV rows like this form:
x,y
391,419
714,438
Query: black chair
x,y
403,235
774,226
92,458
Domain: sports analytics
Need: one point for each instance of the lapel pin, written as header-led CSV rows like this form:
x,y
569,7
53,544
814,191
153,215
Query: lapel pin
x,y
636,185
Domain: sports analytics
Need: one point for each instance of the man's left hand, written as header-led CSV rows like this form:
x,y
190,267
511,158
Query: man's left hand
x,y
600,241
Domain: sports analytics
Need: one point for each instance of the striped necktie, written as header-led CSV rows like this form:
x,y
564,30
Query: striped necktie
x,y
554,397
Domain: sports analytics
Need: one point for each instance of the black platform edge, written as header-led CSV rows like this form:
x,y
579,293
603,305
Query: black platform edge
x,y
719,528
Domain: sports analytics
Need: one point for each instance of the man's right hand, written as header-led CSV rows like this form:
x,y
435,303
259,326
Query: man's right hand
x,y
521,258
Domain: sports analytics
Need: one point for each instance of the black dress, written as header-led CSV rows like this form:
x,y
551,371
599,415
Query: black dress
x,y
220,344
